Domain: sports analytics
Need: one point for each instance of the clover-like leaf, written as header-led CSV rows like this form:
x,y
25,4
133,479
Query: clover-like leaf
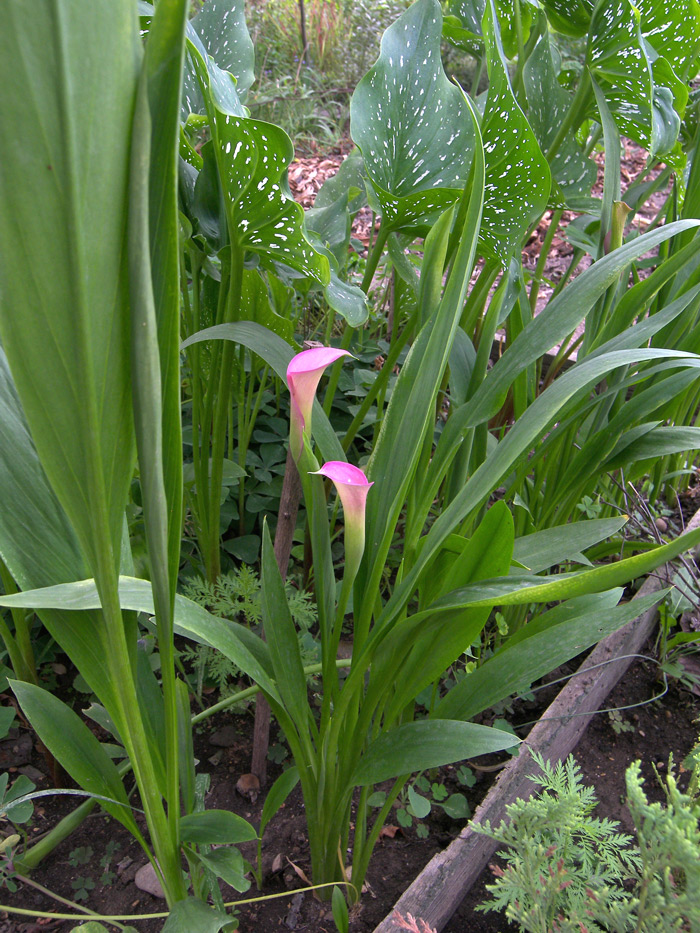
x,y
221,28
411,124
252,159
548,102
645,98
518,178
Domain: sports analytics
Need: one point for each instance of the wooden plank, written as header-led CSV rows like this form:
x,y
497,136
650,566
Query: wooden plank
x,y
439,889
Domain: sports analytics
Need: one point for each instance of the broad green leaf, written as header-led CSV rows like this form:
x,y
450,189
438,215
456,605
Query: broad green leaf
x,y
349,179
411,124
416,746
255,306
221,27
673,29
547,105
215,827
73,745
420,805
515,669
282,637
252,159
645,98
552,546
63,278
570,17
227,863
517,174
92,926
470,13
277,794
277,354
38,544
193,914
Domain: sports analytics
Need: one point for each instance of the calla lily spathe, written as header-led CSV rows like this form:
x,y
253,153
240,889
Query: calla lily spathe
x,y
303,375
352,487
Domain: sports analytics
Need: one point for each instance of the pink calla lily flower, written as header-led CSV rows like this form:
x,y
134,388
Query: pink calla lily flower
x,y
352,487
303,375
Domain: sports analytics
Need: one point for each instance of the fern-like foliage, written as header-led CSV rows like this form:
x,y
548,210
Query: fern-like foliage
x,y
236,596
569,872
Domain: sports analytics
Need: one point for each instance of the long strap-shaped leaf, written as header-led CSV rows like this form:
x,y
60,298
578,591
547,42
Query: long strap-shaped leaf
x,y
64,304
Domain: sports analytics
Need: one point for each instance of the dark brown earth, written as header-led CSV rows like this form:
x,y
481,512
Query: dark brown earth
x,y
651,731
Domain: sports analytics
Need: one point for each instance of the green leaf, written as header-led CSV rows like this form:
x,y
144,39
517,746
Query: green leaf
x,y
658,442
515,668
517,174
228,864
21,812
417,746
282,637
92,926
420,805
64,277
221,28
618,59
456,807
252,159
277,795
470,13
37,542
72,744
340,911
192,914
673,29
547,105
570,17
411,124
552,546
215,827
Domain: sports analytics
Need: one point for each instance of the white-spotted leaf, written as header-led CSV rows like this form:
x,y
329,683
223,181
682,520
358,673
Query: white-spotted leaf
x,y
411,123
463,27
548,103
645,98
518,178
252,159
221,28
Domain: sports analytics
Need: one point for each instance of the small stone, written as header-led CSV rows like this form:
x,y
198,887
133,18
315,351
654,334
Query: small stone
x,y
146,880
34,774
224,738
661,523
248,786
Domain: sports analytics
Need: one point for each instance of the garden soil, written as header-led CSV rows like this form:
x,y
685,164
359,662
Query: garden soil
x,y
650,731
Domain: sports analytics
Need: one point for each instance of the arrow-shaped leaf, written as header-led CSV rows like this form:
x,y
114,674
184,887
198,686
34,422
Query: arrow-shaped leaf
x,y
517,175
411,124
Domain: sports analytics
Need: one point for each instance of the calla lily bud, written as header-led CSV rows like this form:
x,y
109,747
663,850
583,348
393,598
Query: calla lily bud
x,y
303,375
352,487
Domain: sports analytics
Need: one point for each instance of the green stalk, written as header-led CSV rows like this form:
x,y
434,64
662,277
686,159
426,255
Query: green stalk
x,y
220,415
542,258
19,646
